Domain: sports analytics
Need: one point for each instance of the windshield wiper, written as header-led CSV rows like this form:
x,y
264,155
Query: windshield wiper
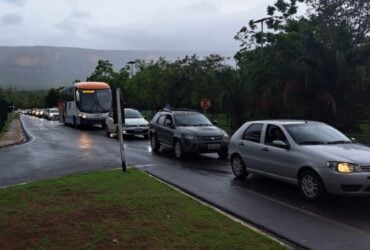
x,y
312,143
339,142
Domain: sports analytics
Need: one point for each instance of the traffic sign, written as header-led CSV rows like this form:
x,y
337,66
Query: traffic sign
x,y
205,103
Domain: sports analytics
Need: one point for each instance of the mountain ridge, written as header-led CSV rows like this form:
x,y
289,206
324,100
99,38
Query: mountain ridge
x,y
44,67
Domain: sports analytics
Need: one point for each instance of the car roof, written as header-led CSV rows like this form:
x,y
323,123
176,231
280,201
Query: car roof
x,y
180,110
285,121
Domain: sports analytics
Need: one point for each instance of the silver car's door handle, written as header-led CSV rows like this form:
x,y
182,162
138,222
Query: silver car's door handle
x,y
241,143
265,149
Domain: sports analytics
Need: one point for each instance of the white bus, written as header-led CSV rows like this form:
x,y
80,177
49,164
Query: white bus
x,y
85,103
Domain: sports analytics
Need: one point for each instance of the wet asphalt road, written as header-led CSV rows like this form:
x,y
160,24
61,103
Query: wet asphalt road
x,y
55,150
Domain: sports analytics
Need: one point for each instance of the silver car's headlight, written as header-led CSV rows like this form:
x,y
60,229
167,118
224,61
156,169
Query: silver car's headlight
x,y
190,137
344,167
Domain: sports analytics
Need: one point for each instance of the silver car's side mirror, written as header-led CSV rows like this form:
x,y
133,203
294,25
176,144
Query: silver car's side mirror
x,y
280,144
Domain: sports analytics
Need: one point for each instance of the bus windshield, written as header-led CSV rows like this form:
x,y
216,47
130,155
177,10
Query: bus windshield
x,y
95,101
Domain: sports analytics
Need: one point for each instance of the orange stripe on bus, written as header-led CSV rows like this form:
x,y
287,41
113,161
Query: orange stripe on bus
x,y
92,85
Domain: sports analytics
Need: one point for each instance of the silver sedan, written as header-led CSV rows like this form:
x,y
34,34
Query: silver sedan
x,y
313,155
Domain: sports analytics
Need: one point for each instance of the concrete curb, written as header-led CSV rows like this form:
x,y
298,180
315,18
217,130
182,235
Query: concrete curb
x,y
253,226
25,136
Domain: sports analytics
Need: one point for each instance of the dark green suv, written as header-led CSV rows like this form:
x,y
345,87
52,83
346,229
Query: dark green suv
x,y
187,132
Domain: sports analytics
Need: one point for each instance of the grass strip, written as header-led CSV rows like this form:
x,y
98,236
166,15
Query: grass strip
x,y
110,209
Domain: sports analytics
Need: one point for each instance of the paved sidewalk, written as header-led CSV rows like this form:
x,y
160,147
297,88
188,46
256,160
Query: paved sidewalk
x,y
13,135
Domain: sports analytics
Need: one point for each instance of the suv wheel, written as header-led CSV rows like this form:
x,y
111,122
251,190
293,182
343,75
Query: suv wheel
x,y
311,185
179,152
222,154
154,143
238,167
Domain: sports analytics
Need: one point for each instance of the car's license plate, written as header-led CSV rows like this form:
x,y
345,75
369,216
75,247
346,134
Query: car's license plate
x,y
214,146
138,130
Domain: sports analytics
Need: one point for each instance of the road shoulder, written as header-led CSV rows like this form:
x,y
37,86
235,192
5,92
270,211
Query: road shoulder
x,y
13,135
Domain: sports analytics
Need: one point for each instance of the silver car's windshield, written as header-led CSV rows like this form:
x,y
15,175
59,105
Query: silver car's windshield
x,y
315,133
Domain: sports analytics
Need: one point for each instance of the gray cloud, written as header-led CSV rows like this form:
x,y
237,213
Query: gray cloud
x,y
11,19
74,22
201,6
69,26
126,24
15,2
80,15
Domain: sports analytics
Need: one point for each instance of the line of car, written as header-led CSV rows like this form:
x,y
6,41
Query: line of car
x,y
316,157
47,113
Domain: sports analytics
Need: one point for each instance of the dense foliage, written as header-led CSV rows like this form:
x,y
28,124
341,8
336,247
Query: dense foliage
x,y
22,98
312,67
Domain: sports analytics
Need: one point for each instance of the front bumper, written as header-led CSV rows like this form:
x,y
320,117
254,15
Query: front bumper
x,y
357,183
91,121
135,130
200,147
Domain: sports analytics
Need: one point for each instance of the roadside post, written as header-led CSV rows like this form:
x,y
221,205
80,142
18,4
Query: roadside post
x,y
120,117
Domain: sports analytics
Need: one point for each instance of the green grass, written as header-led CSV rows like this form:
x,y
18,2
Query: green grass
x,y
221,120
364,136
111,209
365,127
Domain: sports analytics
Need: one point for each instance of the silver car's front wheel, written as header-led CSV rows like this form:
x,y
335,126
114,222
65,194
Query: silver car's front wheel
x,y
238,167
311,186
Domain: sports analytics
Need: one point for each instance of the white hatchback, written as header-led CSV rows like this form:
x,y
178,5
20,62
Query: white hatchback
x,y
135,124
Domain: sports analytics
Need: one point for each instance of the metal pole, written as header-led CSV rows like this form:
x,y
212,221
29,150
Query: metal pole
x,y
262,41
119,117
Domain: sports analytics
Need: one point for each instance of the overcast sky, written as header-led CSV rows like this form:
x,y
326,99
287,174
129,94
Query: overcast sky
x,y
127,25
